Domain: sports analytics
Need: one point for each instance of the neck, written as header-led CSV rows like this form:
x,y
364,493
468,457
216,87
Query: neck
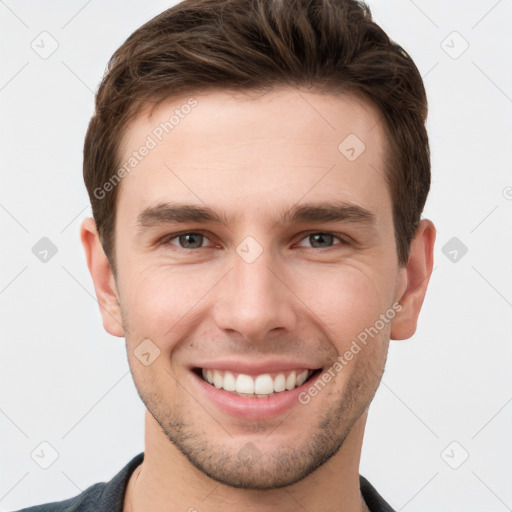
x,y
166,480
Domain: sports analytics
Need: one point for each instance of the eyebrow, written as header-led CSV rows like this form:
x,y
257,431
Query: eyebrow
x,y
164,213
328,212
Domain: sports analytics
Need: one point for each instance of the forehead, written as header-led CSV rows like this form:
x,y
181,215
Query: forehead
x,y
258,150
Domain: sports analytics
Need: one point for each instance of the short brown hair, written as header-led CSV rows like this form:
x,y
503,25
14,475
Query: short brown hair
x,y
325,46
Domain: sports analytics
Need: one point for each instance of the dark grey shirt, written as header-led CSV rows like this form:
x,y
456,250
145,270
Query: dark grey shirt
x,y
108,496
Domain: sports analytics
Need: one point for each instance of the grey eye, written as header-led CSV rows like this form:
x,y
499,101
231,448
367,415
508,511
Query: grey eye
x,y
190,240
319,240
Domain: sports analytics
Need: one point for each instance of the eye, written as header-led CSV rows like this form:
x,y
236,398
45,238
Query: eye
x,y
320,240
189,240
195,240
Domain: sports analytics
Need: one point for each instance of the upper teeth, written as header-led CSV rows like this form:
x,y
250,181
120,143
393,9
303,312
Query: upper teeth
x,y
259,385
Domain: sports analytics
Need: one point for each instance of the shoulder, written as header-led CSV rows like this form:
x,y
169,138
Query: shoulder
x,y
85,501
100,497
372,498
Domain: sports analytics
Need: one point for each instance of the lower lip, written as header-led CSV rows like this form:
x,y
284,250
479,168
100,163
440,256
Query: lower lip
x,y
254,408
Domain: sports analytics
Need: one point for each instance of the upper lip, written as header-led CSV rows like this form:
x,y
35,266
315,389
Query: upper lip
x,y
253,368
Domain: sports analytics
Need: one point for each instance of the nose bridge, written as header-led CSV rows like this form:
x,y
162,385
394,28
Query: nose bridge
x,y
253,300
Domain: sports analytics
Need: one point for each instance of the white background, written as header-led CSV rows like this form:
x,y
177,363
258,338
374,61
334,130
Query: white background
x,y
65,381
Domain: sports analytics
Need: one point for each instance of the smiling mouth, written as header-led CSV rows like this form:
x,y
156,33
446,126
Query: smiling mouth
x,y
256,386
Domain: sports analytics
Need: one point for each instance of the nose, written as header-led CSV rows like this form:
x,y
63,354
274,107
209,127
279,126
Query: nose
x,y
254,299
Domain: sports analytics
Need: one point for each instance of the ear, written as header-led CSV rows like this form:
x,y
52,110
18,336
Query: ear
x,y
103,278
413,281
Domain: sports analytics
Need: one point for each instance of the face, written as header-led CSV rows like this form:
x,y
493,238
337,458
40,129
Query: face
x,y
249,241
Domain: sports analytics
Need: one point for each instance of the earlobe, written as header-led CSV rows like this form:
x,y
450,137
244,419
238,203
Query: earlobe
x,y
413,281
103,278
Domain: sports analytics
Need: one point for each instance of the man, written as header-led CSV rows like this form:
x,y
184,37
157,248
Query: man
x,y
257,171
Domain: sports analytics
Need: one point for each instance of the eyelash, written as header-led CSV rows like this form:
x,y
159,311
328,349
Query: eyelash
x,y
344,239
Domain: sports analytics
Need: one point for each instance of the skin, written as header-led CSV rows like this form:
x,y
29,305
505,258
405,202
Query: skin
x,y
254,158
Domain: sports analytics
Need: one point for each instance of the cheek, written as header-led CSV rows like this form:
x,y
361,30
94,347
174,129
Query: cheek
x,y
163,302
160,300
346,299
158,305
